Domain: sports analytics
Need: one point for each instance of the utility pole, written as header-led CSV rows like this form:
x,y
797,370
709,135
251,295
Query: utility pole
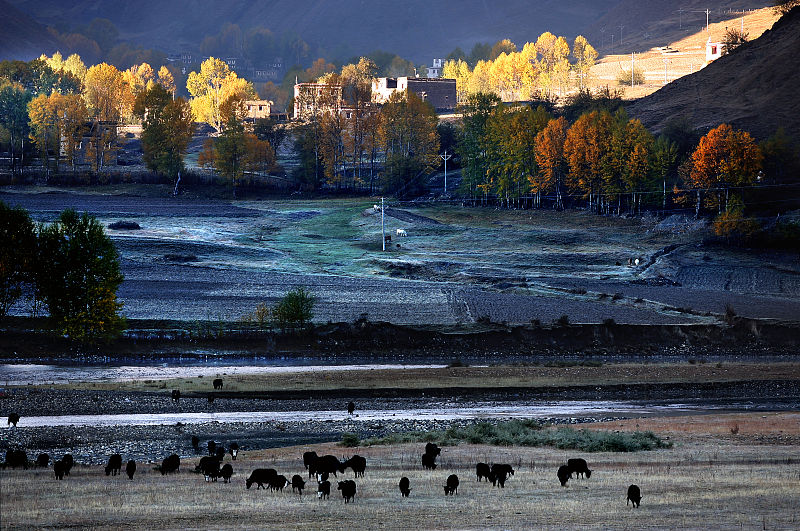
x,y
383,228
620,35
632,69
708,11
445,158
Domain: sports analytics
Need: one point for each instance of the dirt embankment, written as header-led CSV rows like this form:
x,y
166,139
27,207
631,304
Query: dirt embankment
x,y
19,340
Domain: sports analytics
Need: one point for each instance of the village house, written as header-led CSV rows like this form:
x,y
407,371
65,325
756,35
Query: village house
x,y
435,70
713,50
258,109
441,93
313,98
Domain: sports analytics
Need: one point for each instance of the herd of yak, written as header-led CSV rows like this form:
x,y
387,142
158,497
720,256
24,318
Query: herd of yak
x,y
318,467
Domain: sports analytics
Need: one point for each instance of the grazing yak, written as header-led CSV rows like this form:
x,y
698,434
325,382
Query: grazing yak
x,y
298,484
43,460
234,450
508,470
452,485
58,469
68,463
211,398
130,468
308,460
634,496
358,464
428,462
579,468
482,470
196,443
351,406
13,418
405,488
226,472
176,395
114,465
217,383
261,476
212,448
15,458
220,453
277,482
323,489
326,463
563,475
171,464
348,488
433,449
209,466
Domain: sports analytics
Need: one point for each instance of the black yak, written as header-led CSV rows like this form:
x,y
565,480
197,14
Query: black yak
x,y
13,418
405,487
176,395
298,484
43,460
324,489
217,383
130,468
226,472
261,476
348,488
358,464
114,465
58,469
482,470
171,464
68,463
351,406
579,468
234,450
452,485
428,462
563,475
634,495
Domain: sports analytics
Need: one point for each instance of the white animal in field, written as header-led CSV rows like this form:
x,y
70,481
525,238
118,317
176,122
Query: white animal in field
x,y
402,232
636,262
376,208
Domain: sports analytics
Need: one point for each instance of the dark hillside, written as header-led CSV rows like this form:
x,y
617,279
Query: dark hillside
x,y
415,29
754,88
21,37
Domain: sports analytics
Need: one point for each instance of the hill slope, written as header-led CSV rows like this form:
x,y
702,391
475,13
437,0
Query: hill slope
x,y
21,37
754,88
416,29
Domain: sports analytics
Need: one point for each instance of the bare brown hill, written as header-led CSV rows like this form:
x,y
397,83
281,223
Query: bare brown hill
x,y
754,88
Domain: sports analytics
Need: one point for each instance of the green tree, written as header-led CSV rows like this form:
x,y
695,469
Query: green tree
x,y
17,254
410,141
77,278
475,112
296,308
14,119
231,154
167,128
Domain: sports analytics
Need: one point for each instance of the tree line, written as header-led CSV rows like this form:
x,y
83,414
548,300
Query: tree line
x,y
68,268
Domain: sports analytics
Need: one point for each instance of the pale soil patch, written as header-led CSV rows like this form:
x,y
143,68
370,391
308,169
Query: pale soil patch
x,y
475,377
705,481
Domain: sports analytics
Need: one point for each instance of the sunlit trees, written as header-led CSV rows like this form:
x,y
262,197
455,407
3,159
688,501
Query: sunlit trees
x,y
725,158
550,160
166,80
107,94
585,149
458,69
410,142
585,56
213,85
552,64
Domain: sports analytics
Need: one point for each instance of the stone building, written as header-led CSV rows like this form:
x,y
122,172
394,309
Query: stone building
x,y
441,93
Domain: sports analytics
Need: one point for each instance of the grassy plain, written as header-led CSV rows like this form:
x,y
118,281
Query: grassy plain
x,y
711,478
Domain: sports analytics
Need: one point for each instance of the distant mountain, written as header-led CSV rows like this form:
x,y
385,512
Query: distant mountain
x,y
415,29
21,37
755,88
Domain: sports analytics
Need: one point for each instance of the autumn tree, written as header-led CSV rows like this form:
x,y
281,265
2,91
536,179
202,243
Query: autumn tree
x,y
109,99
585,150
725,158
665,165
552,63
166,80
550,160
410,142
43,130
211,87
167,128
475,113
585,56
458,69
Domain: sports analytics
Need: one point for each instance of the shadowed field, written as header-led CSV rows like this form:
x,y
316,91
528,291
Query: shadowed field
x,y
712,478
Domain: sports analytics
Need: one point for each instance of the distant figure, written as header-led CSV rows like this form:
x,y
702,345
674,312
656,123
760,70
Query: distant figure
x,y
351,406
176,395
217,383
13,418
405,488
130,468
196,443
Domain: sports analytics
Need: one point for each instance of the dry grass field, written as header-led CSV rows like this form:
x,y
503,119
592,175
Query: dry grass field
x,y
689,53
711,478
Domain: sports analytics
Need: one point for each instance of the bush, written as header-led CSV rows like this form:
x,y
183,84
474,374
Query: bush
x,y
531,433
624,77
350,440
563,320
294,309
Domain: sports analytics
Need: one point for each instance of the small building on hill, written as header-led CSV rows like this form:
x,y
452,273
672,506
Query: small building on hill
x,y
713,50
258,109
441,93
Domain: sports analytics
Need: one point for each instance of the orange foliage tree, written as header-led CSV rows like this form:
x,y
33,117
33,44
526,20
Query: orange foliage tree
x,y
550,158
586,149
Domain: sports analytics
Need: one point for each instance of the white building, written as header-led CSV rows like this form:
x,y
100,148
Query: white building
x,y
436,69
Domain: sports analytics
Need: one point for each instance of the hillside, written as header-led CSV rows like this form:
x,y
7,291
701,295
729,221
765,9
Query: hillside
x,y
753,88
415,29
21,37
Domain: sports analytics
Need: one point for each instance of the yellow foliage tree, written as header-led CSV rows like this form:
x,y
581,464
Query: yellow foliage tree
x,y
585,56
458,70
213,85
